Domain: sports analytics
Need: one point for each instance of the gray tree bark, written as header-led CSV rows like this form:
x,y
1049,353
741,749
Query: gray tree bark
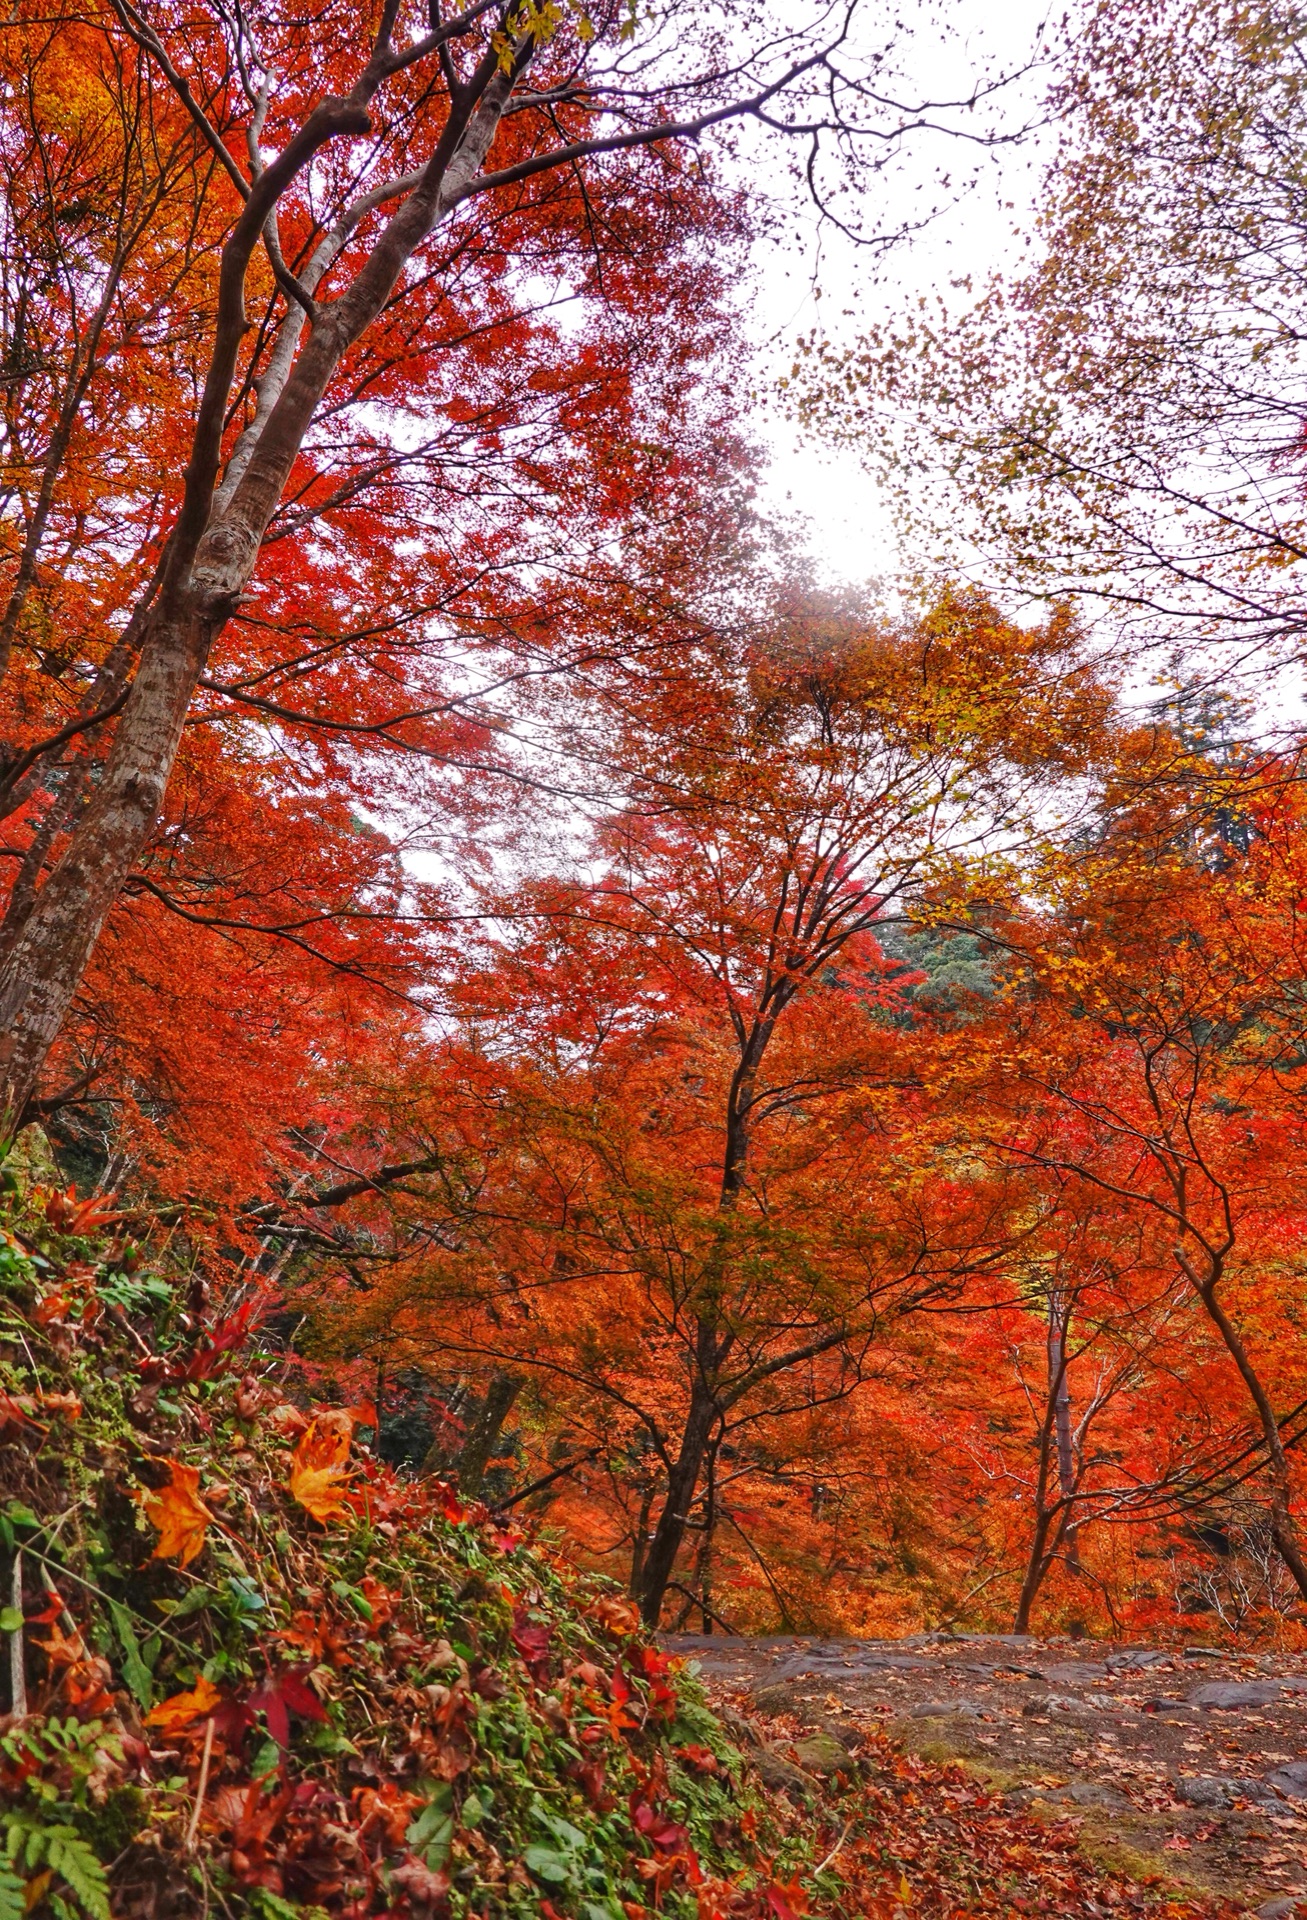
x,y
212,554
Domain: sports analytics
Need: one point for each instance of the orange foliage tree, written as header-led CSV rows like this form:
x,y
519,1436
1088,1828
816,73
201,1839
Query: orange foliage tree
x,y
693,1179
527,365
354,375
1162,1059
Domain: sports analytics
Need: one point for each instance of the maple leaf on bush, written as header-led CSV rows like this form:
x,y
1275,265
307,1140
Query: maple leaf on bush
x,y
67,1214
222,1342
319,1477
174,1715
180,1515
281,1695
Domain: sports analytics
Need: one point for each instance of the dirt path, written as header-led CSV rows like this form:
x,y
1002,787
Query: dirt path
x,y
1188,1764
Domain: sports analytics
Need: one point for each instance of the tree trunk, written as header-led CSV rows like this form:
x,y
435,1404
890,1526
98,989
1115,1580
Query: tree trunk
x,y
660,1559
1042,1556
704,1580
1050,1461
1284,1530
211,556
711,1346
640,1541
712,1342
483,1435
1036,1567
47,961
1060,1387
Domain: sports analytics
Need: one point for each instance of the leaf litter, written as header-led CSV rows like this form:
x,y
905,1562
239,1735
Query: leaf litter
x,y
268,1676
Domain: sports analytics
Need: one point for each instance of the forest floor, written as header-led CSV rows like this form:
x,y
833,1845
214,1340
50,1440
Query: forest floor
x,y
1185,1764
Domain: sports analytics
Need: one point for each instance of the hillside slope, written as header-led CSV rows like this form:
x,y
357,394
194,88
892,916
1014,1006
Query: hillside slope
x,y
253,1672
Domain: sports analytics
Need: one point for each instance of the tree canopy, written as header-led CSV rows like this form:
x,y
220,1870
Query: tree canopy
x,y
798,1087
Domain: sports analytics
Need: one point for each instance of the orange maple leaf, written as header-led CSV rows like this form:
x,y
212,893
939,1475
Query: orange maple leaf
x,y
174,1715
60,1649
66,1403
319,1476
179,1514
615,1616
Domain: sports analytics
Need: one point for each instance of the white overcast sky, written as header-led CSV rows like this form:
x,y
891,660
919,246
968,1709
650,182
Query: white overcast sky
x,y
847,527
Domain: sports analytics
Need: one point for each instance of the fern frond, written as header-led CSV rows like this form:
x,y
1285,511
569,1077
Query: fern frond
x,y
63,1850
73,1859
13,1893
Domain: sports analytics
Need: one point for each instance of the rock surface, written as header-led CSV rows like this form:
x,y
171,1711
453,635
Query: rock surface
x,y
778,1773
1207,1791
1223,1693
1092,1793
1194,1759
822,1754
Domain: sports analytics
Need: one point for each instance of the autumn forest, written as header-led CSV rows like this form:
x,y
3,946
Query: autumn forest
x,y
787,1083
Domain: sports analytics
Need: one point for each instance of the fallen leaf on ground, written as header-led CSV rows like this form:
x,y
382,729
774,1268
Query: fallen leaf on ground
x,y
66,1403
283,1694
16,1410
179,1514
287,1419
613,1615
319,1477
173,1716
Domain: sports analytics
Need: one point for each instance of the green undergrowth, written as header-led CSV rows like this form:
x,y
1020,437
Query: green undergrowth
x,y
263,1674
246,1670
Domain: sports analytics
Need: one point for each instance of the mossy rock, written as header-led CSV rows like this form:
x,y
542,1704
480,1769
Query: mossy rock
x,y
30,1162
821,1753
778,1698
778,1774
